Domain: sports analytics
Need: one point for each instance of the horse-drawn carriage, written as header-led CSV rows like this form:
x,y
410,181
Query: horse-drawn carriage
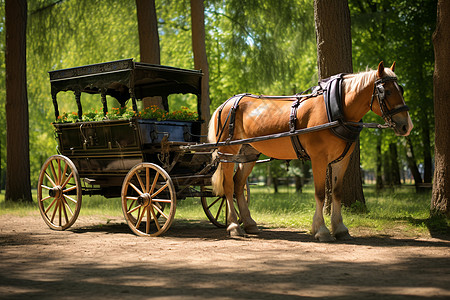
x,y
132,157
152,163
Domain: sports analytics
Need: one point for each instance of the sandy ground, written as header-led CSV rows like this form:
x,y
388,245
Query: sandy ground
x,y
100,258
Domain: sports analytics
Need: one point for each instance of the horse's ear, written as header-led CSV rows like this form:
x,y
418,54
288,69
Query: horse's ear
x,y
380,70
393,66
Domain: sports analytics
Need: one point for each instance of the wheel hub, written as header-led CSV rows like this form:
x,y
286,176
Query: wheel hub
x,y
55,192
144,199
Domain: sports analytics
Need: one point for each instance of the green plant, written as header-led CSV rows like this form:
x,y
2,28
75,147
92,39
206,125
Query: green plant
x,y
123,113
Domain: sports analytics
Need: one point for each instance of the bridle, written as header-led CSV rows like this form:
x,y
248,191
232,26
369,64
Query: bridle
x,y
380,93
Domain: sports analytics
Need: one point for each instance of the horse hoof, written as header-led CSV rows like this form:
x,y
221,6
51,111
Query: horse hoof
x,y
235,230
343,236
252,229
324,237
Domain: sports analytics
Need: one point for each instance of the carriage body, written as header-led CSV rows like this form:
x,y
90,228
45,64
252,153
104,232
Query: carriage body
x,y
129,158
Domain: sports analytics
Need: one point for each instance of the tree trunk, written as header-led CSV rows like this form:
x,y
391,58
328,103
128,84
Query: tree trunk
x,y
395,168
334,55
427,160
149,42
411,160
18,185
441,39
379,176
201,59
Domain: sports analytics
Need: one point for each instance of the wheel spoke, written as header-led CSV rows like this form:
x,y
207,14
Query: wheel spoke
x,y
46,187
162,200
50,206
140,218
43,199
220,208
147,226
155,180
147,180
67,180
63,179
160,190
66,204
136,189
155,218
70,189
161,212
63,207
140,181
59,172
134,209
54,211
214,202
49,179
54,173
71,199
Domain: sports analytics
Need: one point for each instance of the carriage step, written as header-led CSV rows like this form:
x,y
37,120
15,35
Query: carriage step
x,y
88,180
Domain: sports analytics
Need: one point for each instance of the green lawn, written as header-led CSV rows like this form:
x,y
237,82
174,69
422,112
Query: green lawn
x,y
392,209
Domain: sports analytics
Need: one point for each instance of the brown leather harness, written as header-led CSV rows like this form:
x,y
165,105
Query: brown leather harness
x,y
331,88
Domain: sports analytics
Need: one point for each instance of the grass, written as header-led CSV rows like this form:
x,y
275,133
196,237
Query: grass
x,y
399,209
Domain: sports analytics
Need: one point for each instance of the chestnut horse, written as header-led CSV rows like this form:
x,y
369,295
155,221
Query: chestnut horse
x,y
259,116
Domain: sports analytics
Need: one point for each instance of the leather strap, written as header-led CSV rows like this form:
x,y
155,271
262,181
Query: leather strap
x,y
298,147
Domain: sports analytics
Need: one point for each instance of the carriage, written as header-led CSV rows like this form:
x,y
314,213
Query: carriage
x,y
151,162
137,157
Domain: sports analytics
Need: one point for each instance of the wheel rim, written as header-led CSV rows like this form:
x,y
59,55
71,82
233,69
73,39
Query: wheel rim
x,y
148,200
59,192
216,210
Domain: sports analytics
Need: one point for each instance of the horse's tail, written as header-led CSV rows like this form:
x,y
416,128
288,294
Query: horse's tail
x,y
217,178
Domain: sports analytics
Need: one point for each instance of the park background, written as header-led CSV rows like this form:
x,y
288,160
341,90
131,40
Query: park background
x,y
261,47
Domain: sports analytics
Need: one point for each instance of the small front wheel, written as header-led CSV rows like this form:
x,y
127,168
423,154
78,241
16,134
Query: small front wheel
x,y
148,199
59,192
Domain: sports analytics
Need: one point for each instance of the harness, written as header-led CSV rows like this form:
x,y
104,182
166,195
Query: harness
x,y
331,88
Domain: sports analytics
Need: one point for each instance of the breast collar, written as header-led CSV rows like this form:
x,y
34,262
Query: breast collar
x,y
332,94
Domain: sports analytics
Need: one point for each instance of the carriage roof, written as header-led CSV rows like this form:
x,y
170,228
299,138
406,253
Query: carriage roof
x,y
125,79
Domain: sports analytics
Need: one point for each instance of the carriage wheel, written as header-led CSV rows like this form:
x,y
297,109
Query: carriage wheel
x,y
216,207
59,192
148,200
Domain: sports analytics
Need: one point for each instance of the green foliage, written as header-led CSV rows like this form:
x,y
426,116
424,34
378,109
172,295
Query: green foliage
x,y
257,46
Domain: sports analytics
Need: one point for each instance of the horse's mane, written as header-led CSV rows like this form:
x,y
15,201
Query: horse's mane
x,y
357,81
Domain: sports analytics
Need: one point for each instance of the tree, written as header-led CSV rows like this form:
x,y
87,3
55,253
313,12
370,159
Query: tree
x,y
441,40
334,55
200,57
18,185
148,40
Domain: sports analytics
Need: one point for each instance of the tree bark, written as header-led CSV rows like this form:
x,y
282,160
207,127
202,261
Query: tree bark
x,y
334,55
149,42
395,168
378,173
18,185
441,77
411,160
201,59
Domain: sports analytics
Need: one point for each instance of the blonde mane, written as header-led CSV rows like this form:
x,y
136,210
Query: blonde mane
x,y
358,81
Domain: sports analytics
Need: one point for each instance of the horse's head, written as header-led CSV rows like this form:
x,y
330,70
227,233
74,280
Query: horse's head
x,y
390,104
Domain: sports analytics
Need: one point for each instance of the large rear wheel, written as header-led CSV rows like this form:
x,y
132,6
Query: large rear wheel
x,y
148,200
59,192
216,210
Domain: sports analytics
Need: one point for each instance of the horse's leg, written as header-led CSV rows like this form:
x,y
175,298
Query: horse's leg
x,y
240,179
319,230
338,228
233,228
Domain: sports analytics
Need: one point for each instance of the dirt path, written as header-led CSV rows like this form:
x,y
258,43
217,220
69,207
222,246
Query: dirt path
x,y
101,259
